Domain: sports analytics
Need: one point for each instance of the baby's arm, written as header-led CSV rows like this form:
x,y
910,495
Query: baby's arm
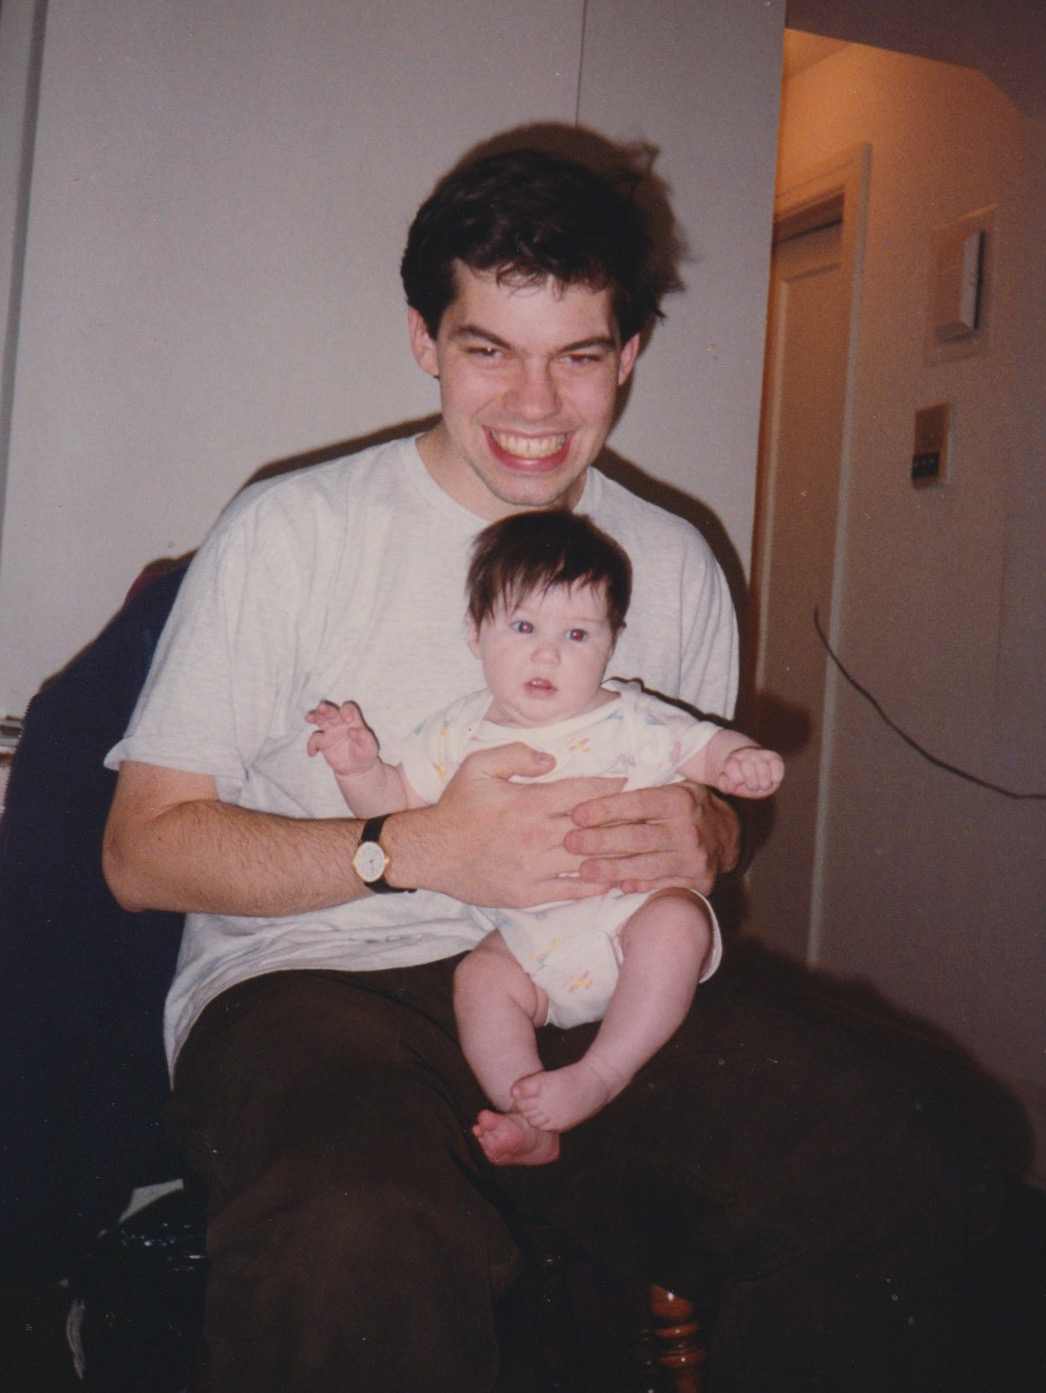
x,y
732,763
368,785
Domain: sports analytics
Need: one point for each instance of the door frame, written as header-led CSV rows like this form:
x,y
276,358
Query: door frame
x,y
834,190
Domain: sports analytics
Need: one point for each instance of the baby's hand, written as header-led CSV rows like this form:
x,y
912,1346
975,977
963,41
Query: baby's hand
x,y
343,739
751,772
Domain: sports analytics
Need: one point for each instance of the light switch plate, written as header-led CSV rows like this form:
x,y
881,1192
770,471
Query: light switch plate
x,y
959,293
957,285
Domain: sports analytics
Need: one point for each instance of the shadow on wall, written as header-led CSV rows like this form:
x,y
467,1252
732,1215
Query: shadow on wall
x,y
325,453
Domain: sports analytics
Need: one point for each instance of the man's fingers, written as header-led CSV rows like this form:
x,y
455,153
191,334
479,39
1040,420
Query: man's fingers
x,y
662,846
618,839
647,887
656,865
504,761
645,873
638,805
569,888
520,759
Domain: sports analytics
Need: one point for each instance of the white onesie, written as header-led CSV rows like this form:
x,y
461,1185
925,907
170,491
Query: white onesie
x,y
570,948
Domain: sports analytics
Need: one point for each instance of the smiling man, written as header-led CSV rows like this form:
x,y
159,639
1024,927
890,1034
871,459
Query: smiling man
x,y
357,1237
529,375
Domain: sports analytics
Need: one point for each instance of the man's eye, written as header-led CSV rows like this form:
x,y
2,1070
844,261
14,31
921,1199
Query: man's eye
x,y
577,635
583,360
484,352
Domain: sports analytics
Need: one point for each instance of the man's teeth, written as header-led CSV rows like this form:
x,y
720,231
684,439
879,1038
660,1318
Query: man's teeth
x,y
529,446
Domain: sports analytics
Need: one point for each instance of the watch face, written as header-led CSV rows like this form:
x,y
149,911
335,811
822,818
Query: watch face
x,y
369,862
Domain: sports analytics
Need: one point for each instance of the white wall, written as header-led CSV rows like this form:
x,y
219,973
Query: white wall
x,y
219,198
703,81
936,890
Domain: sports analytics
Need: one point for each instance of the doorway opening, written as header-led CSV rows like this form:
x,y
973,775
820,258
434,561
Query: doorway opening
x,y
799,542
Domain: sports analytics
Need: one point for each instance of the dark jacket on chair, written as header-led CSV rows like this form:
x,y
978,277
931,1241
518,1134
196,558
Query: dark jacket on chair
x,y
83,1080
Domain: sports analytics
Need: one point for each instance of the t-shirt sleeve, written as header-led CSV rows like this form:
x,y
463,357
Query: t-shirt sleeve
x,y
222,669
710,657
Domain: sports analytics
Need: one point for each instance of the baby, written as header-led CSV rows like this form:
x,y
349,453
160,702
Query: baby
x,y
547,597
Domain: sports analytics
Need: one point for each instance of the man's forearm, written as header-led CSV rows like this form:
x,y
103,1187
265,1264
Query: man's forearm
x,y
172,844
200,855
212,857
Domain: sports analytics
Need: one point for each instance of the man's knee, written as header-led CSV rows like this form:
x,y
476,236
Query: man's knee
x,y
359,1208
388,1285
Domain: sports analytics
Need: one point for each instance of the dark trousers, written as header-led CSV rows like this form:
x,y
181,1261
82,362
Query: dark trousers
x,y
775,1164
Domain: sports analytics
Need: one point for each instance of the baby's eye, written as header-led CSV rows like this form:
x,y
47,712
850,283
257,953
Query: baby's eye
x,y
577,635
521,626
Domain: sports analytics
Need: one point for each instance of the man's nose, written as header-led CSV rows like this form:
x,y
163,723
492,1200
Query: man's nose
x,y
534,395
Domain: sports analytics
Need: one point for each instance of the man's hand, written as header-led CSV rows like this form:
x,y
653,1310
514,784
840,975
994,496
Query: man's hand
x,y
492,841
653,838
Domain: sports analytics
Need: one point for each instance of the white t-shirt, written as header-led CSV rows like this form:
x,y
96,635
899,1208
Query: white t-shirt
x,y
348,580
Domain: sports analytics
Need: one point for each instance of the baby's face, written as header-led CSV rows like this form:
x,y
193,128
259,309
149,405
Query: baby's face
x,y
544,657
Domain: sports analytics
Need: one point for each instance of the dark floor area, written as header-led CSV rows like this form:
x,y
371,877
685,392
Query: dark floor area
x,y
1006,1296
141,1307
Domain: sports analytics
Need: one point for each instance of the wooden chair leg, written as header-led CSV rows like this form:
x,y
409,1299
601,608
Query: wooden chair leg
x,y
676,1337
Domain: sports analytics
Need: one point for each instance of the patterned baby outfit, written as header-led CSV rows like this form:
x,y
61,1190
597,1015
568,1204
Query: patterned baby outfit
x,y
570,948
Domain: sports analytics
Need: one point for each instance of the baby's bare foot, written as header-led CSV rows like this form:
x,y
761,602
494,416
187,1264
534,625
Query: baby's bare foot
x,y
507,1139
561,1098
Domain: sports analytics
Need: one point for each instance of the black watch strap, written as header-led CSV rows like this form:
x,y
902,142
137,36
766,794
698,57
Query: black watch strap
x,y
372,833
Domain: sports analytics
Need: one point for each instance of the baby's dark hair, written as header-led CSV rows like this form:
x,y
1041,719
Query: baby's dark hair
x,y
526,215
530,552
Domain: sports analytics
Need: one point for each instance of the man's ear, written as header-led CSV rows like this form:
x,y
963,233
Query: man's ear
x,y
627,360
422,344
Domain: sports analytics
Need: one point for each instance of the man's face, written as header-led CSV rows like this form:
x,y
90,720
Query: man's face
x,y
544,655
528,381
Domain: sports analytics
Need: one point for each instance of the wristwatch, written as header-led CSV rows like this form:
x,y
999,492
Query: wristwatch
x,y
371,861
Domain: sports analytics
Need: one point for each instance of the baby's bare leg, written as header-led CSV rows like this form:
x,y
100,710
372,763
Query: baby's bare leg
x,y
664,946
497,1007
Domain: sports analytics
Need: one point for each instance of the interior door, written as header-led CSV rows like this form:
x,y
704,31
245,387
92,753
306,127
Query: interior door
x,y
794,566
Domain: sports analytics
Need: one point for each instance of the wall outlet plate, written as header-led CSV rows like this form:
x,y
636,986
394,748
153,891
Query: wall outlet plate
x,y
931,445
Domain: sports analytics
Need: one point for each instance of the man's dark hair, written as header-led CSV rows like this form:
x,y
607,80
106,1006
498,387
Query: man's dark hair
x,y
526,215
530,552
